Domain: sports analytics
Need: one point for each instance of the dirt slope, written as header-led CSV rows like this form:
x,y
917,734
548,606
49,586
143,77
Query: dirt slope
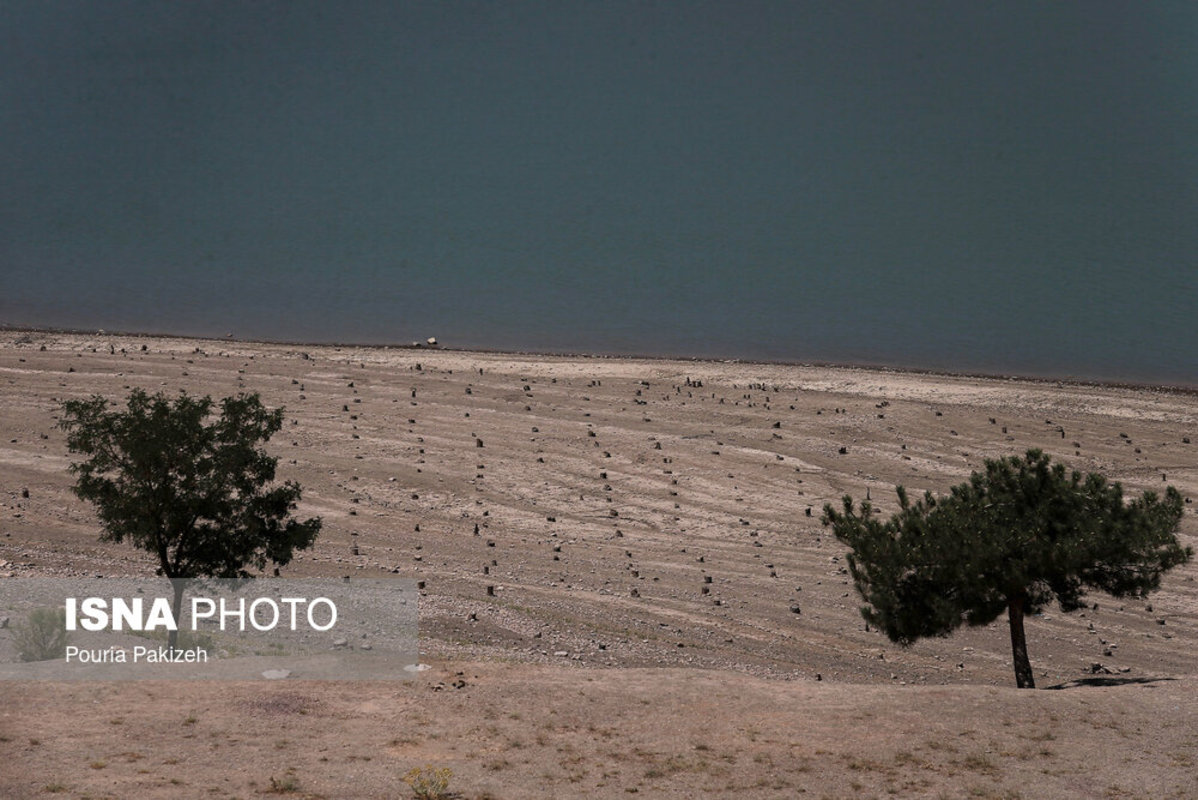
x,y
647,519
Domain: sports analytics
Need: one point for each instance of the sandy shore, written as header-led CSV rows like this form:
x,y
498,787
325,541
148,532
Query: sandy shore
x,y
649,520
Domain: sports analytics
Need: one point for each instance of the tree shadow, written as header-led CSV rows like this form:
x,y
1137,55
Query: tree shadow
x,y
1105,680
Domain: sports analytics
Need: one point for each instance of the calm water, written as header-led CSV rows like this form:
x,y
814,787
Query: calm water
x,y
1013,192
1047,324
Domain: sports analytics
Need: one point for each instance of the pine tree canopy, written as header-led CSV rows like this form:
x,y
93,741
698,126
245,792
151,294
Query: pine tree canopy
x,y
1018,535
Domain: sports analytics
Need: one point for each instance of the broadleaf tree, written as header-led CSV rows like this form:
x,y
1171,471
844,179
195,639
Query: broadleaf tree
x,y
1016,536
197,493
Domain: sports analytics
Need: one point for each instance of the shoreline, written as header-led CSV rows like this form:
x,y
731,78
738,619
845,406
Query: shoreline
x,y
1167,388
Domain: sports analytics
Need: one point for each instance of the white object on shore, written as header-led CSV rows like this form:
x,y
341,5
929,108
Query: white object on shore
x,y
416,667
276,674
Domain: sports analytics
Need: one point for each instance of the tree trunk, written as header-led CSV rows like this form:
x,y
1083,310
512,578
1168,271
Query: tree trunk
x,y
178,584
1023,667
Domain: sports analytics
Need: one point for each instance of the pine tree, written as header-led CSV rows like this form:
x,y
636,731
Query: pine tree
x,y
1016,536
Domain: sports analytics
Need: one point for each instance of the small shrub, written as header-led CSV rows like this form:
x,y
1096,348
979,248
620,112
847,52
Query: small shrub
x,y
285,785
979,762
429,783
43,636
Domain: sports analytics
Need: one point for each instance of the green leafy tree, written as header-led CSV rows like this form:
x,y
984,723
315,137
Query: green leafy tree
x,y
198,494
1019,534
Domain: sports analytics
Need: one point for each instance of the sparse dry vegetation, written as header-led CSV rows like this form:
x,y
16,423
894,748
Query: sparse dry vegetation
x,y
561,682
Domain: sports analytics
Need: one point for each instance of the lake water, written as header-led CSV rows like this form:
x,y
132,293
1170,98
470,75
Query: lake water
x,y
1101,325
951,188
